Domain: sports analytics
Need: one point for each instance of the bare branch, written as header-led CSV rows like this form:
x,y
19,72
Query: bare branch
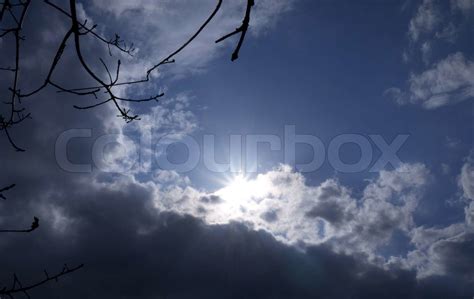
x,y
18,288
6,189
115,42
168,59
33,227
15,116
242,30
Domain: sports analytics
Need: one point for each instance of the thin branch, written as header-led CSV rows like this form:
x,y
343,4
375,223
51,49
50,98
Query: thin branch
x,y
242,30
5,6
206,22
77,30
18,288
57,58
9,69
6,123
76,33
115,42
33,227
168,59
6,189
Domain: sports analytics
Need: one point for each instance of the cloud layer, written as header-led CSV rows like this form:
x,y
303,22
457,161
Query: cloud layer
x,y
441,81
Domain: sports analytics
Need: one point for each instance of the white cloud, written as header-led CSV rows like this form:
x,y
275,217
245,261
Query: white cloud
x,y
282,203
445,168
166,25
466,179
448,33
426,52
466,183
452,142
449,81
397,95
425,20
138,144
435,246
425,259
465,6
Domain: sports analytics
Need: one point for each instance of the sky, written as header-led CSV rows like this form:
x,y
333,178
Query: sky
x,y
333,159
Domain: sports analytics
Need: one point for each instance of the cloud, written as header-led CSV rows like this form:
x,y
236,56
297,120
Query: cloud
x,y
448,33
426,52
449,81
466,184
130,249
465,6
445,80
425,20
283,204
445,250
425,257
171,23
432,23
455,255
466,179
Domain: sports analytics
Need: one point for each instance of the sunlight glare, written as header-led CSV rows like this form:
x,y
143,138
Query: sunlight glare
x,y
242,194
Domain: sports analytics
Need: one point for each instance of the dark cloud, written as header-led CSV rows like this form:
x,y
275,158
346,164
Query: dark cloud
x,y
331,211
211,199
131,251
380,227
270,216
329,191
457,256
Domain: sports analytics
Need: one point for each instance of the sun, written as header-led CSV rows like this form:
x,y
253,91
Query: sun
x,y
242,195
239,187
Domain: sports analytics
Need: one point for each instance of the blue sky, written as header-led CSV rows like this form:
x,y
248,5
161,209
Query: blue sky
x,y
329,68
325,67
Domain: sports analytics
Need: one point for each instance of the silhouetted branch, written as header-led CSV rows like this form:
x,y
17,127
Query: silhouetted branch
x,y
242,30
6,189
77,30
115,42
9,69
18,288
16,115
168,59
33,227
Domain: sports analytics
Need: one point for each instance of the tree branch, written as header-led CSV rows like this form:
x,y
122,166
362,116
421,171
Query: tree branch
x,y
6,189
33,227
17,286
242,30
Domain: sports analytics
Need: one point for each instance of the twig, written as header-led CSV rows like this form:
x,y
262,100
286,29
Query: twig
x,y
17,286
242,30
33,227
